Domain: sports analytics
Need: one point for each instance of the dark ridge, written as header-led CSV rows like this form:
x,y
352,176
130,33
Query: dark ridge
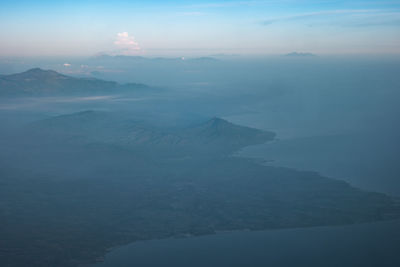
x,y
300,54
37,73
39,82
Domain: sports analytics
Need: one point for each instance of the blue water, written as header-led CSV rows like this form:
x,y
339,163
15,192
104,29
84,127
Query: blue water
x,y
373,244
369,162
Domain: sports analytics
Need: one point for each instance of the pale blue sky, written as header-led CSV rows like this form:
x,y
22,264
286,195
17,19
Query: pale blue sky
x,y
184,28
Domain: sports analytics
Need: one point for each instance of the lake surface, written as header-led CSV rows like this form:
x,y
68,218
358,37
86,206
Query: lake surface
x,y
372,244
367,162
366,156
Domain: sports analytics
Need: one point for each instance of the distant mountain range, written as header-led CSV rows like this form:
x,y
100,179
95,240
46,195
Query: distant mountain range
x,y
39,82
299,54
152,59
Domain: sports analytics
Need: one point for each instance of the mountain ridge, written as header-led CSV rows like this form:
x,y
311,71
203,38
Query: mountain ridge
x,y
300,54
101,126
39,82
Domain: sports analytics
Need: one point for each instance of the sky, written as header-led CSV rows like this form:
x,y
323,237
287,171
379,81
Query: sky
x,y
185,28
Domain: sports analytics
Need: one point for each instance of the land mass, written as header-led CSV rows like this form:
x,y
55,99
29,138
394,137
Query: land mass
x,y
75,185
93,180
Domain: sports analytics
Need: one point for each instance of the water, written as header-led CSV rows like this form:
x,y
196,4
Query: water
x,y
369,162
372,244
360,147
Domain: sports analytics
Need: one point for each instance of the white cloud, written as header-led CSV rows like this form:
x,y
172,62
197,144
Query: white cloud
x,y
67,65
126,44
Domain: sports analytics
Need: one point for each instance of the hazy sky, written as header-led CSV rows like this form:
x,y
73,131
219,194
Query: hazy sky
x,y
184,28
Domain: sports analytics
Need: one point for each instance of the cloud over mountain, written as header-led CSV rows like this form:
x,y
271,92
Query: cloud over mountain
x,y
126,44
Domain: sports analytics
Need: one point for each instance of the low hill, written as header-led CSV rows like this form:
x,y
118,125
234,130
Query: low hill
x,y
219,131
107,127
